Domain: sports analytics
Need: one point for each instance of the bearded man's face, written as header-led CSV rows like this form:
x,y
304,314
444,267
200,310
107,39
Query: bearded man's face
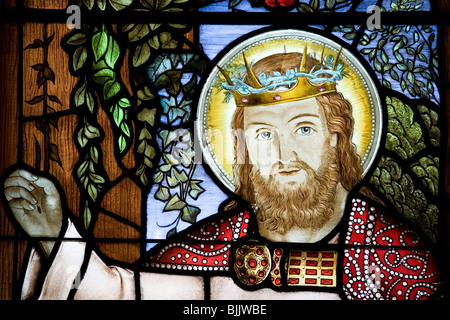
x,y
294,170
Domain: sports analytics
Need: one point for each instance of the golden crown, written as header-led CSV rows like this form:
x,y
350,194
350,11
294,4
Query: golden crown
x,y
303,84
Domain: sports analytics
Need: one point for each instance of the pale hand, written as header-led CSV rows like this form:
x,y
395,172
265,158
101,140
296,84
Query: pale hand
x,y
36,205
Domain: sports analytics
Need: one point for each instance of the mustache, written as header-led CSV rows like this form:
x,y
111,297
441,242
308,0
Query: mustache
x,y
290,167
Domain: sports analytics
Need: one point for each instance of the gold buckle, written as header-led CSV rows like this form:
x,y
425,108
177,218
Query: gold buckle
x,y
312,268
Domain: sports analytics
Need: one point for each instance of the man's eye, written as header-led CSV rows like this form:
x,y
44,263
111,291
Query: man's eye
x,y
305,130
265,135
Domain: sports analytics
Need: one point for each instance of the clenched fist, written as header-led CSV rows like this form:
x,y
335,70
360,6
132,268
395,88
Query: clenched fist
x,y
36,206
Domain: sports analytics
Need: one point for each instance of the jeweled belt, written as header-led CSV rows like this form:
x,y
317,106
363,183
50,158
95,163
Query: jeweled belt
x,y
255,264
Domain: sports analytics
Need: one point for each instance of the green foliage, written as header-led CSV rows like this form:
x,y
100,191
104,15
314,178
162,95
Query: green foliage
x,y
412,64
86,173
175,173
427,170
399,188
431,119
166,72
102,4
409,176
404,135
106,53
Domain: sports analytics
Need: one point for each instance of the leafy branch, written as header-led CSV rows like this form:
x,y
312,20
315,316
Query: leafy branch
x,y
106,53
176,171
410,67
45,74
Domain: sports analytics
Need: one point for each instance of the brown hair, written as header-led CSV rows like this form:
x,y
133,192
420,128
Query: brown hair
x,y
338,114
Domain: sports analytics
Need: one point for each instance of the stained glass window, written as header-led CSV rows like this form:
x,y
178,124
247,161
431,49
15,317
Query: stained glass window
x,y
235,149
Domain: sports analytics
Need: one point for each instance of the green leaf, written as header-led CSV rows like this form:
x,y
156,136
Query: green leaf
x,y
384,56
87,216
120,4
195,189
303,7
124,103
394,74
138,32
104,75
141,54
167,137
101,4
77,39
92,191
427,170
125,129
167,42
233,3
89,4
173,179
329,4
410,76
147,115
110,89
404,135
402,66
100,43
377,65
112,53
122,143
86,133
80,95
158,177
399,56
145,134
118,114
190,214
90,101
163,193
175,203
79,58
315,4
93,152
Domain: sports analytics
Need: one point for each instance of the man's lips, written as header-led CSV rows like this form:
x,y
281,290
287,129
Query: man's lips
x,y
289,172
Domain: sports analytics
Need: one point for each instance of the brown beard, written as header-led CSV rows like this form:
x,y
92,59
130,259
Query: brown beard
x,y
306,205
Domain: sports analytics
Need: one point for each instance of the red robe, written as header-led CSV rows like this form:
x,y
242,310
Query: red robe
x,y
380,257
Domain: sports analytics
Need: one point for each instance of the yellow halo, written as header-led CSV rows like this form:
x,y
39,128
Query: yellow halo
x,y
213,127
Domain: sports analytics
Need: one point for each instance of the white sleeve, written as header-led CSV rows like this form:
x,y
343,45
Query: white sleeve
x,y
101,281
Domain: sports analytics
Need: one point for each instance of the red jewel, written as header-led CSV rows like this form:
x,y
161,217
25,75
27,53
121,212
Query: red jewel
x,y
264,263
252,263
252,279
261,274
321,89
277,97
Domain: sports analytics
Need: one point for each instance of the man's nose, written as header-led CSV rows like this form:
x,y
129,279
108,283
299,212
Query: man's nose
x,y
286,149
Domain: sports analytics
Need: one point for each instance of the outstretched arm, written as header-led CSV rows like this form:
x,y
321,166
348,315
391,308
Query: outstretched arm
x,y
36,206
36,209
